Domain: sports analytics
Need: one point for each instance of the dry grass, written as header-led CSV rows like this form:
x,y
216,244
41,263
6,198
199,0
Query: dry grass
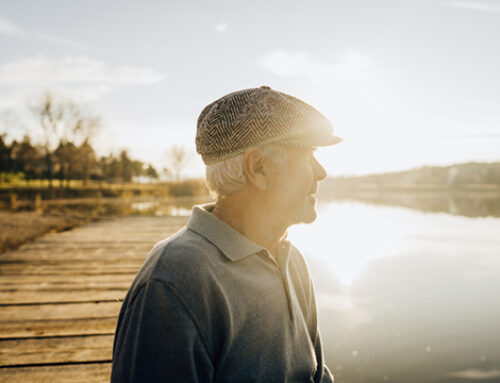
x,y
21,227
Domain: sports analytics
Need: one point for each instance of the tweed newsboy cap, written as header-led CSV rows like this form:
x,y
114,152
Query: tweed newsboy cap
x,y
259,116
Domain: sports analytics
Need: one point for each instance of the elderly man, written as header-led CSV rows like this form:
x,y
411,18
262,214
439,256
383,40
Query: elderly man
x,y
228,298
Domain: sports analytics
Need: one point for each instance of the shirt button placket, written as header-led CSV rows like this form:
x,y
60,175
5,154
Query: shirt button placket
x,y
281,269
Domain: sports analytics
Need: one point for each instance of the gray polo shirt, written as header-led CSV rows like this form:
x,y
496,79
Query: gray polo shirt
x,y
209,305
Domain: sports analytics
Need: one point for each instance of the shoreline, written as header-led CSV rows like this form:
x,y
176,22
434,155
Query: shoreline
x,y
31,222
19,228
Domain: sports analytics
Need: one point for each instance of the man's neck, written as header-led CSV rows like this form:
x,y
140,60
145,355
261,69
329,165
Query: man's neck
x,y
251,219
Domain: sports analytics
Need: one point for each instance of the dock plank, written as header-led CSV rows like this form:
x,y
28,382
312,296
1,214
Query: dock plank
x,y
58,327
60,297
76,373
51,296
70,269
54,350
76,284
58,319
23,280
59,311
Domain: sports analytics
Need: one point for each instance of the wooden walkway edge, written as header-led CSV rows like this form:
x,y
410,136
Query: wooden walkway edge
x,y
60,297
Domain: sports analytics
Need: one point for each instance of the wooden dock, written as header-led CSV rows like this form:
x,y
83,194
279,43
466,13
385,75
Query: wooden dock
x,y
60,297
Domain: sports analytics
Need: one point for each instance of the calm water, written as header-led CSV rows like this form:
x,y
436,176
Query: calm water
x,y
405,296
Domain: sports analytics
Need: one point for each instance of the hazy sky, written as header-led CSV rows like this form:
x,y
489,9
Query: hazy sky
x,y
405,83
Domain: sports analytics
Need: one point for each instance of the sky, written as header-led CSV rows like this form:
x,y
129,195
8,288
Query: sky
x,y
405,83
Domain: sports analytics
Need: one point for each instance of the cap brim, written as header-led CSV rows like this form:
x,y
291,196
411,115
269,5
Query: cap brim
x,y
327,141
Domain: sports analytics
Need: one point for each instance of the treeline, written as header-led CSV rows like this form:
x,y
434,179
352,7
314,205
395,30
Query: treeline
x,y
64,151
455,175
485,176
23,160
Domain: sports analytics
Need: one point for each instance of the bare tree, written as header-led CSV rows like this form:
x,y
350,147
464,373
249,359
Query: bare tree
x,y
63,121
50,117
178,157
82,126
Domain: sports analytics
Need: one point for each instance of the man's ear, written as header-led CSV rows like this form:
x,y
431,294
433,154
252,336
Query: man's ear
x,y
255,169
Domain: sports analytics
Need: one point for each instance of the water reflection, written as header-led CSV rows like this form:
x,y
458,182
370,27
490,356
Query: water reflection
x,y
424,316
469,204
126,206
473,204
347,236
157,208
405,296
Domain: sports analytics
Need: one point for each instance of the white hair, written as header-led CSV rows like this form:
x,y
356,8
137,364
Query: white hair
x,y
226,177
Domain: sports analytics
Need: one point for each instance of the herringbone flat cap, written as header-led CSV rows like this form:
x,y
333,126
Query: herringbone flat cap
x,y
259,116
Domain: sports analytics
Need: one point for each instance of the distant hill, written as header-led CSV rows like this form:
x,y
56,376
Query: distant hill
x,y
469,176
471,189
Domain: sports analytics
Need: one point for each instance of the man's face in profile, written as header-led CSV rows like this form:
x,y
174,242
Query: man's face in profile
x,y
293,185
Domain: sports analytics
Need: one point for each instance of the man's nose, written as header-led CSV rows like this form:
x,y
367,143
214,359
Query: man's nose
x,y
319,170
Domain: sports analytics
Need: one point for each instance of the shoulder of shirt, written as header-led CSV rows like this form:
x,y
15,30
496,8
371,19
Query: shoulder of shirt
x,y
298,262
193,269
297,257
185,257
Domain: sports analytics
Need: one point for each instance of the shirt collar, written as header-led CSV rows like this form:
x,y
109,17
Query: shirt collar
x,y
231,243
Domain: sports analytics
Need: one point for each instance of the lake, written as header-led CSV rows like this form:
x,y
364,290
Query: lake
x,y
403,295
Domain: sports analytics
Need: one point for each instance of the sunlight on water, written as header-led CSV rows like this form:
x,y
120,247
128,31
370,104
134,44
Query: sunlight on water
x,y
347,236
403,295
159,209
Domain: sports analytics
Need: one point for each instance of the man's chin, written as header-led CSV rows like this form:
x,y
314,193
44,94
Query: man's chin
x,y
311,217
309,214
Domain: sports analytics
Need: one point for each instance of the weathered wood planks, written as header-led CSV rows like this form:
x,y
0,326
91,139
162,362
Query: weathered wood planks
x,y
51,296
21,321
53,350
58,327
60,298
59,311
75,373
